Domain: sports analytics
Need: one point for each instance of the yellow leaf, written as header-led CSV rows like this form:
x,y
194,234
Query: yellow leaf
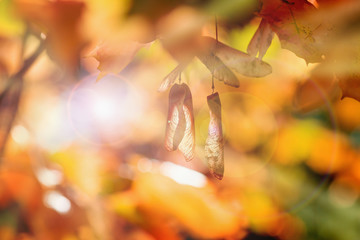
x,y
196,209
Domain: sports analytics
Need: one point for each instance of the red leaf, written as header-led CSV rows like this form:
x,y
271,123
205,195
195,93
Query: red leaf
x,y
289,19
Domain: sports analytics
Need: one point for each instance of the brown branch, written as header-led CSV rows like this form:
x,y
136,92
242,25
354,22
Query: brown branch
x,y
10,97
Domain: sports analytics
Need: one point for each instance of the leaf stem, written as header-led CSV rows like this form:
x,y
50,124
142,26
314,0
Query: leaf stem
x,y
217,40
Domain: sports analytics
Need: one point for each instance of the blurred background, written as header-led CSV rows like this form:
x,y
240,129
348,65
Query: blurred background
x,y
82,123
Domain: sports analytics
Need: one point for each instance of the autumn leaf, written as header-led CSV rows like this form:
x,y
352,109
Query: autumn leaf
x,y
320,88
10,24
345,62
60,21
350,87
214,147
203,215
329,155
220,59
180,33
113,56
289,20
21,186
10,54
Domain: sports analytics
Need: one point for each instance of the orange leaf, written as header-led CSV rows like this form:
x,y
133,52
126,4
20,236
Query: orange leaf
x,y
10,54
214,147
195,209
350,86
296,33
316,91
60,20
114,56
179,32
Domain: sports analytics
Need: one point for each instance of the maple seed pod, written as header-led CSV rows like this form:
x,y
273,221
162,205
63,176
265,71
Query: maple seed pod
x,y
176,123
180,129
261,40
187,145
214,146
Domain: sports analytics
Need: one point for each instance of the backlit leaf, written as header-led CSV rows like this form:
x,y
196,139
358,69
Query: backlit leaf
x,y
289,19
205,216
350,87
60,21
114,56
320,88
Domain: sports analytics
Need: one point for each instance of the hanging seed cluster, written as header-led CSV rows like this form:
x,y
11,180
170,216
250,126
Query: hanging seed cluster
x,y
221,60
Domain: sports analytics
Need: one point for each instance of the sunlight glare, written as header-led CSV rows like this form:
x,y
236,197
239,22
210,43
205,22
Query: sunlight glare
x,y
183,175
49,177
20,135
57,201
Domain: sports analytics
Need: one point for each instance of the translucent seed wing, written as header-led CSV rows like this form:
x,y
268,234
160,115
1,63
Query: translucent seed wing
x,y
171,77
218,69
241,62
261,40
187,145
176,122
214,147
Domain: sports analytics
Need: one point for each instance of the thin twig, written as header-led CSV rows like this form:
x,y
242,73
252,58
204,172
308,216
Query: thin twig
x,y
8,101
216,30
26,65
29,62
217,40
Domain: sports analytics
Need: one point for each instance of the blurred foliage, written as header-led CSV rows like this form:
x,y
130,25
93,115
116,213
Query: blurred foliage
x,y
82,124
